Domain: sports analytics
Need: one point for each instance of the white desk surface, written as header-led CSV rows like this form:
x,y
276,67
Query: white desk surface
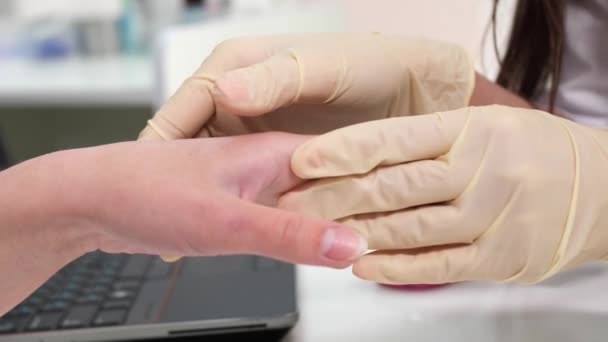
x,y
336,306
116,80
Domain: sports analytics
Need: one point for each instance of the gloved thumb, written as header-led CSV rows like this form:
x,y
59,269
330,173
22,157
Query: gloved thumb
x,y
291,76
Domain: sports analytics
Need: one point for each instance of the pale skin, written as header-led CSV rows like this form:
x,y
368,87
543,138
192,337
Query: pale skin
x,y
214,194
122,197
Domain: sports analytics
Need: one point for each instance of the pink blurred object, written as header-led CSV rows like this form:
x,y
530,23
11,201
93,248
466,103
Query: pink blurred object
x,y
416,287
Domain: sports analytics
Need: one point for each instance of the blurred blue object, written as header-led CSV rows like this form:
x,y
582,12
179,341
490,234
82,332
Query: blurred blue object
x,y
130,29
49,39
51,47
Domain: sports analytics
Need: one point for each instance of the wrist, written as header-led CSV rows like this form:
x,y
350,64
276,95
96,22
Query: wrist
x,y
42,199
40,229
487,93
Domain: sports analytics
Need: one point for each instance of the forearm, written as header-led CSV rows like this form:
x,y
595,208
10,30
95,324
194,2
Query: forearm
x,y
39,229
487,92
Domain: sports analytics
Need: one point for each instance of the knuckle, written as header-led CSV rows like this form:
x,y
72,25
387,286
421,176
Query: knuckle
x,y
197,84
227,46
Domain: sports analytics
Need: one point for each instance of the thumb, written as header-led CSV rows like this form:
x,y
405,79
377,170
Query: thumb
x,y
292,237
292,76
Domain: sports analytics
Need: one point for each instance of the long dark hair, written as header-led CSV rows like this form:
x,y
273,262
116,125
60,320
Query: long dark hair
x,y
535,49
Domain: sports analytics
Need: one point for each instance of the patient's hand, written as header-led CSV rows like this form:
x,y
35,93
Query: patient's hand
x,y
206,197
188,197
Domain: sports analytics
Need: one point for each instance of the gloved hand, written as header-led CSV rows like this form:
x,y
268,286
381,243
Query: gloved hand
x,y
314,83
486,193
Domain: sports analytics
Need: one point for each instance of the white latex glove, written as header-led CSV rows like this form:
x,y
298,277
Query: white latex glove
x,y
314,83
486,193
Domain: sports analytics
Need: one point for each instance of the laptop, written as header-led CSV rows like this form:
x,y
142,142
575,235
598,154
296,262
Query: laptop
x,y
120,297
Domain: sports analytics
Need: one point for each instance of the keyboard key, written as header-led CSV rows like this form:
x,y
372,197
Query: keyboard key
x,y
12,325
103,280
21,310
121,294
97,288
56,280
136,266
79,317
19,323
43,292
78,279
117,304
90,298
46,321
109,272
114,260
47,290
64,296
159,269
85,272
7,327
110,317
126,285
35,300
72,287
58,305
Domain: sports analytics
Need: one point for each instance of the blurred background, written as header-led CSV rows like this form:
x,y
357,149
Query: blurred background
x,y
79,73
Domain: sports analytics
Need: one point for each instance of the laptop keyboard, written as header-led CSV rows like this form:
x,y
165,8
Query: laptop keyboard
x,y
95,290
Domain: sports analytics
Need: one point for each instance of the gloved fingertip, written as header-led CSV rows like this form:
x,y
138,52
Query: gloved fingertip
x,y
148,134
232,88
306,162
362,269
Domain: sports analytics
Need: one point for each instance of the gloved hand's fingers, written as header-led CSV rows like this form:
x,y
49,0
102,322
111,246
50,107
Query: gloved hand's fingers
x,y
383,190
260,88
428,266
294,75
256,229
424,226
360,148
186,112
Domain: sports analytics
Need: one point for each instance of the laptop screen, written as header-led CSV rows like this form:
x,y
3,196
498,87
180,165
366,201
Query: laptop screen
x,y
29,133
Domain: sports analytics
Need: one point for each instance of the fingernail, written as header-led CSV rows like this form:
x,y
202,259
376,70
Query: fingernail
x,y
340,243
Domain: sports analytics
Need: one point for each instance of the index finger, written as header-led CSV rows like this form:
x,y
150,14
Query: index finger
x,y
186,111
360,148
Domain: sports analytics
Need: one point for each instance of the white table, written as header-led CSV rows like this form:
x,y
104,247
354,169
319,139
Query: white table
x,y
101,81
336,306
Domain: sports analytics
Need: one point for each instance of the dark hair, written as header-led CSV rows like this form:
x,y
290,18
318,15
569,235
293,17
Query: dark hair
x,y
535,48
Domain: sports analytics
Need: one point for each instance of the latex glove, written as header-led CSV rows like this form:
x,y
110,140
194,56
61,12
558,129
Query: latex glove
x,y
314,83
487,193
